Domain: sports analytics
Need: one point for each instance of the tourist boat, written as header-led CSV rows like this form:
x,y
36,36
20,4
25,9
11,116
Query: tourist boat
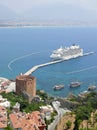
x,y
91,88
67,53
75,84
84,93
58,87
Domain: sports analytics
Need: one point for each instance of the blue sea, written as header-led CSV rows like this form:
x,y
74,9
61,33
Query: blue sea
x,y
23,48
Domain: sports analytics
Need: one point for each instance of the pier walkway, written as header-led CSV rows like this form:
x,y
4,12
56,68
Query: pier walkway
x,y
42,65
50,63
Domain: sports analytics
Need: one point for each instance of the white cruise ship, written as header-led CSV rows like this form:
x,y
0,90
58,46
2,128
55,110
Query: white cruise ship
x,y
67,53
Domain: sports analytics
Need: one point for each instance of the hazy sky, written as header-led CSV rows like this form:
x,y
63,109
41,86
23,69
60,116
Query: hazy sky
x,y
20,6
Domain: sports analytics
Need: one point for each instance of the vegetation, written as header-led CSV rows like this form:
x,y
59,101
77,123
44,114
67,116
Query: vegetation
x,y
88,105
8,128
33,107
68,124
24,105
85,112
49,121
95,117
42,94
13,98
86,129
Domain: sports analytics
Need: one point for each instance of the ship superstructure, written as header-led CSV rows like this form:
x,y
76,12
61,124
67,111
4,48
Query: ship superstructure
x,y
67,53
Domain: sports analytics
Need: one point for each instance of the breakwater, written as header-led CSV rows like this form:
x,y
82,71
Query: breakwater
x,y
50,63
42,65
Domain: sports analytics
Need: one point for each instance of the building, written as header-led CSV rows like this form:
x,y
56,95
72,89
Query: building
x,y
26,85
4,102
3,118
22,121
47,110
16,107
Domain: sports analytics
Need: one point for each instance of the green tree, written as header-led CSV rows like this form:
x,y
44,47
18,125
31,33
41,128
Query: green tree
x,y
8,128
68,124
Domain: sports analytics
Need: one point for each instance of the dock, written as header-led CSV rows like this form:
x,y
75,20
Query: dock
x,y
50,63
42,65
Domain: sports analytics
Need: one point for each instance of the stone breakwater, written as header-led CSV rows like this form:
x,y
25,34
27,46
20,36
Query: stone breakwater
x,y
50,63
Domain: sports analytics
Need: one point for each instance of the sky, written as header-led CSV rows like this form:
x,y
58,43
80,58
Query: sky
x,y
20,6
49,10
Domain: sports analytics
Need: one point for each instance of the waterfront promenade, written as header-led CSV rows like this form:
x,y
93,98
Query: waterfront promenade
x,y
50,63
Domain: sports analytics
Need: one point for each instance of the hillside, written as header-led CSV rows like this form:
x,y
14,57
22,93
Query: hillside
x,y
56,13
83,116
59,12
6,13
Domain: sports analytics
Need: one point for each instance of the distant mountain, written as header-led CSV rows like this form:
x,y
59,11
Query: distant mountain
x,y
6,13
59,12
49,14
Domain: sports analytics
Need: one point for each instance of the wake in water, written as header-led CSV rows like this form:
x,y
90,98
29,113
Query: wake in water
x,y
81,70
21,57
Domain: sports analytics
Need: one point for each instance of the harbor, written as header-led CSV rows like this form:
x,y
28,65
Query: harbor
x,y
50,63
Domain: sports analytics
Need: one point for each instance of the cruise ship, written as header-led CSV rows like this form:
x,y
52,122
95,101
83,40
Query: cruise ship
x,y
67,53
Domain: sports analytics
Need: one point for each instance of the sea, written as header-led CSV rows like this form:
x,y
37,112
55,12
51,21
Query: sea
x,y
24,47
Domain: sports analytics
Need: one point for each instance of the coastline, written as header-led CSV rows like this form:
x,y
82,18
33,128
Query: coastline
x,y
43,26
47,77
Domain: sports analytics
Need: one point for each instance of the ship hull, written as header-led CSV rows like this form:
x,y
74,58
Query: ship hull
x,y
67,53
66,58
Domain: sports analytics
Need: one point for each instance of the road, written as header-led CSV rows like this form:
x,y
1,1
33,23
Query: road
x,y
60,112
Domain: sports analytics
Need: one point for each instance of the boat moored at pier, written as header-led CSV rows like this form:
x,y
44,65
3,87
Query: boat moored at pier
x,y
84,93
91,88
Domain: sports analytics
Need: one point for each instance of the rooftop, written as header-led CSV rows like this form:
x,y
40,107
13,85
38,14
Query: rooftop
x,y
25,77
27,121
3,117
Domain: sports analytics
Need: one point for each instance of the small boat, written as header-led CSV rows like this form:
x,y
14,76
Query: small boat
x,y
75,84
58,87
84,93
91,88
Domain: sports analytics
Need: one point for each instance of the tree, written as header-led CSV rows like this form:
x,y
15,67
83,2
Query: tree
x,y
68,124
8,128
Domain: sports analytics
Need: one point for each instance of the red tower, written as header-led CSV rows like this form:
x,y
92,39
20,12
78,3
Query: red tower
x,y
26,85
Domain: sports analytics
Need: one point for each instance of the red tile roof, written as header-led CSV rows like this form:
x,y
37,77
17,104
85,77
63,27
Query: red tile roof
x,y
3,117
27,121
